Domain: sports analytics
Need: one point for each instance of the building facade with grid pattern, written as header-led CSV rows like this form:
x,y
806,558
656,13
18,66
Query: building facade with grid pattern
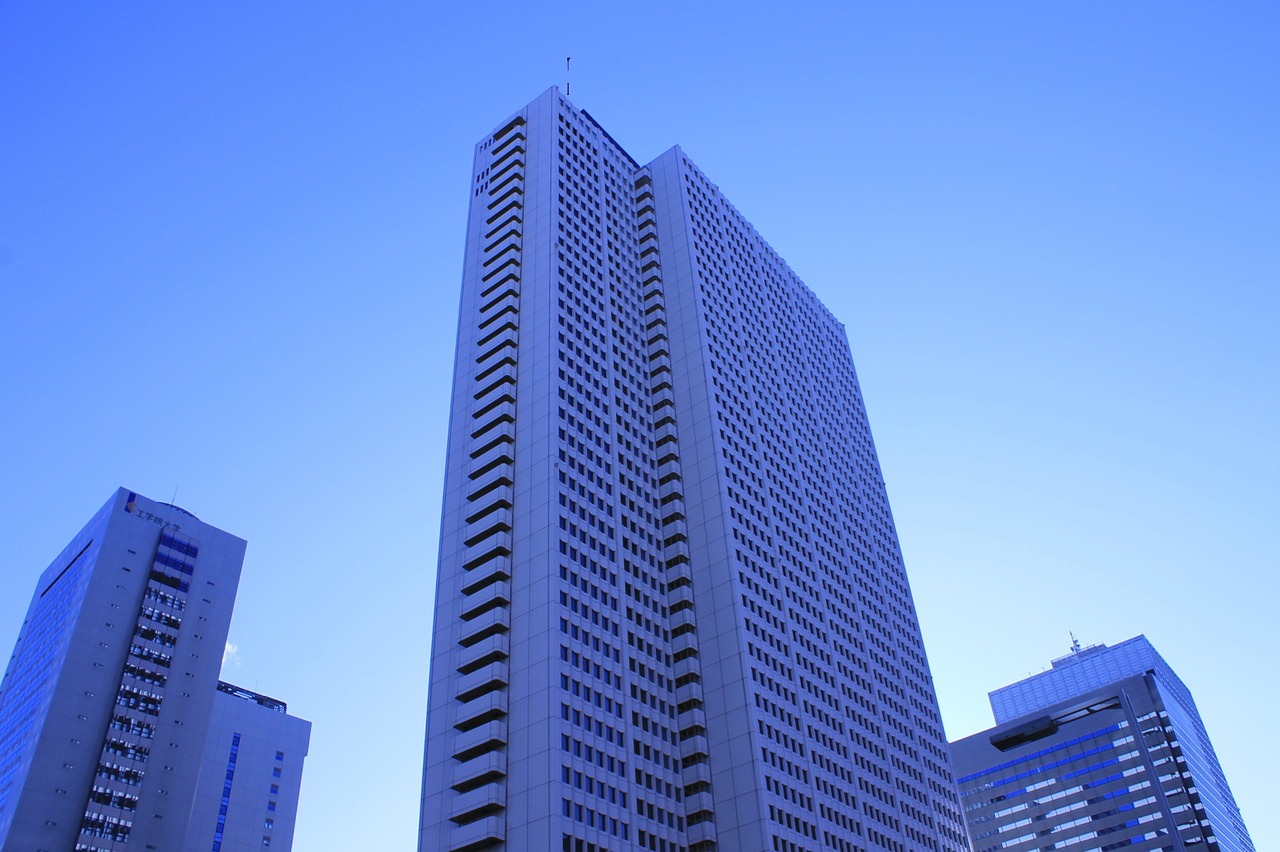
x,y
1105,750
671,610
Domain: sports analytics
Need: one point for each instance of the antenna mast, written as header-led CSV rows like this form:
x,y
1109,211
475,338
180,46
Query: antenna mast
x,y
566,75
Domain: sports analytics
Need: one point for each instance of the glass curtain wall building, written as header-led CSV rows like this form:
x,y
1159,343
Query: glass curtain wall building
x,y
1106,750
671,608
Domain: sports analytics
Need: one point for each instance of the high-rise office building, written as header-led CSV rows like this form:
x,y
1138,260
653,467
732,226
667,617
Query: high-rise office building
x,y
1105,750
250,776
671,610
110,690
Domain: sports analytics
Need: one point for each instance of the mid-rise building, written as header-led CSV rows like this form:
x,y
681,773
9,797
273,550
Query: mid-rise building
x,y
251,774
1105,750
671,611
109,693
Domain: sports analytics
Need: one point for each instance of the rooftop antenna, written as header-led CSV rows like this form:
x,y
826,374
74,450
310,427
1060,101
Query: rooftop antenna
x,y
1075,643
566,75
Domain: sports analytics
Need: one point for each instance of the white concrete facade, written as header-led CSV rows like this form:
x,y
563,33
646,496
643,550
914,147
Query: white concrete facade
x,y
110,687
251,774
671,609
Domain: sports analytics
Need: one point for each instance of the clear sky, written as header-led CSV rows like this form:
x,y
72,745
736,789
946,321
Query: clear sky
x,y
231,238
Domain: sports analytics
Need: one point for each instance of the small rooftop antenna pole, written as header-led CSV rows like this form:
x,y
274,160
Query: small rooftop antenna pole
x,y
566,75
1075,643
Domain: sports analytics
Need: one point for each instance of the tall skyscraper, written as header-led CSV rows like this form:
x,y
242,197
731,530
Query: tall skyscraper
x,y
671,609
1105,750
108,696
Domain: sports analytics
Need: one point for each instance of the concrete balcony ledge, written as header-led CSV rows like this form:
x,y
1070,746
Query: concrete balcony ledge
x,y
682,595
695,745
482,834
699,802
494,523
498,547
686,667
703,832
483,680
682,617
501,452
683,641
480,711
476,604
479,803
691,717
496,647
491,623
488,767
487,737
697,772
489,572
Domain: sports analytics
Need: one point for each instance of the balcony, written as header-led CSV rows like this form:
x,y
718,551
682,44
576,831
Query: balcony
x,y
496,594
694,747
677,554
499,338
481,711
687,667
481,576
506,374
485,769
685,692
491,523
683,622
507,303
497,548
700,803
503,414
479,803
511,245
699,775
483,834
701,836
513,192
491,366
682,642
492,623
498,486
508,296
502,453
679,575
481,682
680,597
693,717
491,649
475,742
479,513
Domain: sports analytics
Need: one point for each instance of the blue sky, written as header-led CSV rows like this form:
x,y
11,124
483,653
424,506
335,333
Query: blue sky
x,y
230,247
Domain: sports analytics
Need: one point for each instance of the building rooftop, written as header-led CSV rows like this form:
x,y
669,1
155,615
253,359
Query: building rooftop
x,y
249,695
